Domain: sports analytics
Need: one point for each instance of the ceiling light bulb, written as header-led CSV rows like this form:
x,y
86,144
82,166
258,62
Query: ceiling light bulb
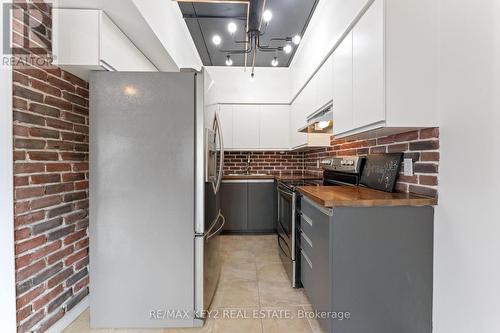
x,y
323,124
216,40
229,61
287,48
274,62
296,39
267,16
232,27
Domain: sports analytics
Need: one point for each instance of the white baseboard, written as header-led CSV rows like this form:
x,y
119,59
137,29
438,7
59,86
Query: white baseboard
x,y
70,316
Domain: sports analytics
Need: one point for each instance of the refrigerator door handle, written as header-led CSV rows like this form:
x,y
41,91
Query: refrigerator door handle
x,y
218,129
213,224
216,232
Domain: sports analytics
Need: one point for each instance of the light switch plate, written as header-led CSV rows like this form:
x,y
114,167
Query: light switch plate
x,y
408,167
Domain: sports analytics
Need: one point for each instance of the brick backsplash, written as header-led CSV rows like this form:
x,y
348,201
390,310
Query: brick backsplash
x,y
421,146
50,110
269,162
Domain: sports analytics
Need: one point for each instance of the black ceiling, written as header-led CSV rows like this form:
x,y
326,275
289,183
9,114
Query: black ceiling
x,y
204,20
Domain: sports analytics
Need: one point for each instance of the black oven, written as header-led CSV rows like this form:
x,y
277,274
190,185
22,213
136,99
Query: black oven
x,y
286,207
289,226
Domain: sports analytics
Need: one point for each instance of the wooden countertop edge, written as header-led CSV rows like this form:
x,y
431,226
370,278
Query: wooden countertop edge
x,y
415,201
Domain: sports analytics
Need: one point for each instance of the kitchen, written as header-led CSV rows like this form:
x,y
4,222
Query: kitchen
x,y
261,166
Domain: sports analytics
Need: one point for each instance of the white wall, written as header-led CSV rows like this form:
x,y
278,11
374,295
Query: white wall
x,y
467,231
233,85
7,282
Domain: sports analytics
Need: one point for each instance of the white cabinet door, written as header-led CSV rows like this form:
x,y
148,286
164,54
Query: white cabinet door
x,y
246,123
274,127
226,120
308,101
368,67
342,87
297,120
324,84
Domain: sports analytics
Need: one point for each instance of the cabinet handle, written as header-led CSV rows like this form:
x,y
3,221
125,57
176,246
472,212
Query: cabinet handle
x,y
307,259
307,239
307,219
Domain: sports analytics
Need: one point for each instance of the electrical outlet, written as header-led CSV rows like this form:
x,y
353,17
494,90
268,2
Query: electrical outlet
x,y
408,167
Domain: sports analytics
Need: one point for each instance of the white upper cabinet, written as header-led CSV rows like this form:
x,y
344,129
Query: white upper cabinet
x,y
315,95
255,127
274,125
100,45
308,104
297,120
368,67
226,120
246,127
342,87
384,71
118,52
323,84
329,23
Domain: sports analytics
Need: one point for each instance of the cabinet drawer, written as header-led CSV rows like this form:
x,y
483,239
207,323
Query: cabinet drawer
x,y
314,211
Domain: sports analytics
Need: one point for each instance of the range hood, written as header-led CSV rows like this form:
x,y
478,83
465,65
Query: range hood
x,y
320,122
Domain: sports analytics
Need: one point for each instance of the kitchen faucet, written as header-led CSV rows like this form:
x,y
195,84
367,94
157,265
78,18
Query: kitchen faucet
x,y
247,172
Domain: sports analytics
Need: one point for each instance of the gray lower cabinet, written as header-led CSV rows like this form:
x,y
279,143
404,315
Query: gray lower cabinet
x,y
374,262
249,207
261,203
234,205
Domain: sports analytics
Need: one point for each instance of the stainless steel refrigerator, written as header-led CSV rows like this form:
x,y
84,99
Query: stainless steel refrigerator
x,y
155,219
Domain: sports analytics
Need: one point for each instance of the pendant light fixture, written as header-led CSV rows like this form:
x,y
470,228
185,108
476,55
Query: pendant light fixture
x,y
253,41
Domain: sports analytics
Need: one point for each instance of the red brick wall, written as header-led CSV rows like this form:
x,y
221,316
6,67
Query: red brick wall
x,y
422,146
264,162
51,187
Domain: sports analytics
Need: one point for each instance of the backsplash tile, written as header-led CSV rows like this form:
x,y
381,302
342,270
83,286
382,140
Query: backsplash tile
x,y
421,146
268,162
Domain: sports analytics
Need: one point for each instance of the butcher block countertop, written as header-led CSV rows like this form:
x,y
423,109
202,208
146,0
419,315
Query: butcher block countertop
x,y
350,196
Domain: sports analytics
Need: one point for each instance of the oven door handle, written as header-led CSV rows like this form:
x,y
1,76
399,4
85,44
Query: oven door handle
x,y
281,247
285,193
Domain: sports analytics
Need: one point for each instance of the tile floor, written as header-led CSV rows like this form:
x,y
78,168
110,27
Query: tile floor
x,y
254,294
